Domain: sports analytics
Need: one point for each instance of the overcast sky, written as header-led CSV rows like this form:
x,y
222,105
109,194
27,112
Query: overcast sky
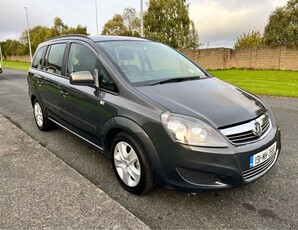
x,y
219,22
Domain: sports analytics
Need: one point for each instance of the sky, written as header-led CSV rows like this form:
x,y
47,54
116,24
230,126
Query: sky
x,y
219,22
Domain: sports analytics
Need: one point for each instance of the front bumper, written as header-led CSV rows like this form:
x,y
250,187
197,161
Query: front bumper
x,y
192,169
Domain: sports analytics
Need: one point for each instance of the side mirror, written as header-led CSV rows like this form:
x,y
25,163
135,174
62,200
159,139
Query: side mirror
x,y
82,78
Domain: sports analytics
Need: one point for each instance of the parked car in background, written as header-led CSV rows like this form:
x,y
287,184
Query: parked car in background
x,y
161,118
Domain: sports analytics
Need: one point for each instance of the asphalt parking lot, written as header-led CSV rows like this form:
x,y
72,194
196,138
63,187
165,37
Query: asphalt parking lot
x,y
269,203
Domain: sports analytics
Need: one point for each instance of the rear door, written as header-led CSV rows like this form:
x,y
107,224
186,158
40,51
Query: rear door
x,y
49,79
35,74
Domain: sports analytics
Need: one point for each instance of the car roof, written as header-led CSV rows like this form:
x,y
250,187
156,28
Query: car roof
x,y
115,38
100,38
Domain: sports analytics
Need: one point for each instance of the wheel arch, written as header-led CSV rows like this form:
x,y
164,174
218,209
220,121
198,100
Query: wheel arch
x,y
123,124
33,98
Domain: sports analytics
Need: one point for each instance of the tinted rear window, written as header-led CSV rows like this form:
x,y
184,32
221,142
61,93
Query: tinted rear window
x,y
38,59
55,58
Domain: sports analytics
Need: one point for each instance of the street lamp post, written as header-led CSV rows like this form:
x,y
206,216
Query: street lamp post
x,y
1,59
96,17
29,41
142,21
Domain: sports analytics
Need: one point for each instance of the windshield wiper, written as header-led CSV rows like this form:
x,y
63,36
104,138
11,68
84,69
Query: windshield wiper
x,y
175,79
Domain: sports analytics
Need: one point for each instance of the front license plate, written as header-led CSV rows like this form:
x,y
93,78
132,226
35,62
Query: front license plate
x,y
260,157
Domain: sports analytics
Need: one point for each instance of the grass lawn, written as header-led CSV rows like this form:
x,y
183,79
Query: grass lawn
x,y
265,82
16,65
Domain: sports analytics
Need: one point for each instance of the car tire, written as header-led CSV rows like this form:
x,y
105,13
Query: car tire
x,y
131,164
41,120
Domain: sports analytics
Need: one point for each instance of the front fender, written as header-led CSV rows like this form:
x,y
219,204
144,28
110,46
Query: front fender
x,y
127,125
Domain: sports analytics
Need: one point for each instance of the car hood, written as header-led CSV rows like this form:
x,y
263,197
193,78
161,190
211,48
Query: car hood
x,y
209,99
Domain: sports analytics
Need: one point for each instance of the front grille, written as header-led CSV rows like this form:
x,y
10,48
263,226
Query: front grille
x,y
242,134
250,173
196,177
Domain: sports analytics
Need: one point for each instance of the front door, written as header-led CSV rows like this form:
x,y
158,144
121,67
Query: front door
x,y
82,106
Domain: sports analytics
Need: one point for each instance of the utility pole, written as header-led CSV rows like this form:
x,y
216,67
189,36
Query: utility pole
x,y
1,58
142,21
96,17
29,41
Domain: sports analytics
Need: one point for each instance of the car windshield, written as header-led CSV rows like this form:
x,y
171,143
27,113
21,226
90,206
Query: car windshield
x,y
144,62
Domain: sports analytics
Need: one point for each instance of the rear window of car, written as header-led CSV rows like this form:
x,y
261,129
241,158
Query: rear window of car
x,y
38,59
55,58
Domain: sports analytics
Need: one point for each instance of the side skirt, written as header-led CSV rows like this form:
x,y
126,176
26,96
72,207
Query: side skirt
x,y
62,126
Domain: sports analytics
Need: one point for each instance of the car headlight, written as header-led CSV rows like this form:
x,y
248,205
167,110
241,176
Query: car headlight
x,y
191,131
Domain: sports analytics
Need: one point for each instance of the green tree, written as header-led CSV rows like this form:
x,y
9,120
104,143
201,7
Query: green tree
x,y
252,38
37,34
115,26
40,33
168,21
78,30
282,28
192,40
13,47
132,22
59,29
127,24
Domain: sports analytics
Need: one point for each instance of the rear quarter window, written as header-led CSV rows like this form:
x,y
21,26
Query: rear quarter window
x,y
38,59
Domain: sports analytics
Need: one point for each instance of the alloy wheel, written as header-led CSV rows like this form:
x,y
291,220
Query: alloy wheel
x,y
38,114
127,164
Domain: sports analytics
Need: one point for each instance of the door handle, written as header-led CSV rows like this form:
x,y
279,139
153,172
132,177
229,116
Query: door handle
x,y
63,93
37,76
38,79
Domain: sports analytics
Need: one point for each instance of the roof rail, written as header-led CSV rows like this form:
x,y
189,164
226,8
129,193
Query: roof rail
x,y
69,35
152,39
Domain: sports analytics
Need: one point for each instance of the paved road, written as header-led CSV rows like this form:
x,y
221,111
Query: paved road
x,y
271,202
39,191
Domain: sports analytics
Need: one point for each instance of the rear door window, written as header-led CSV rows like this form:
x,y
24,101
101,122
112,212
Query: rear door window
x,y
55,58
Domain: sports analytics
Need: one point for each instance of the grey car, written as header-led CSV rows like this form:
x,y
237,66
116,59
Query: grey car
x,y
161,118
